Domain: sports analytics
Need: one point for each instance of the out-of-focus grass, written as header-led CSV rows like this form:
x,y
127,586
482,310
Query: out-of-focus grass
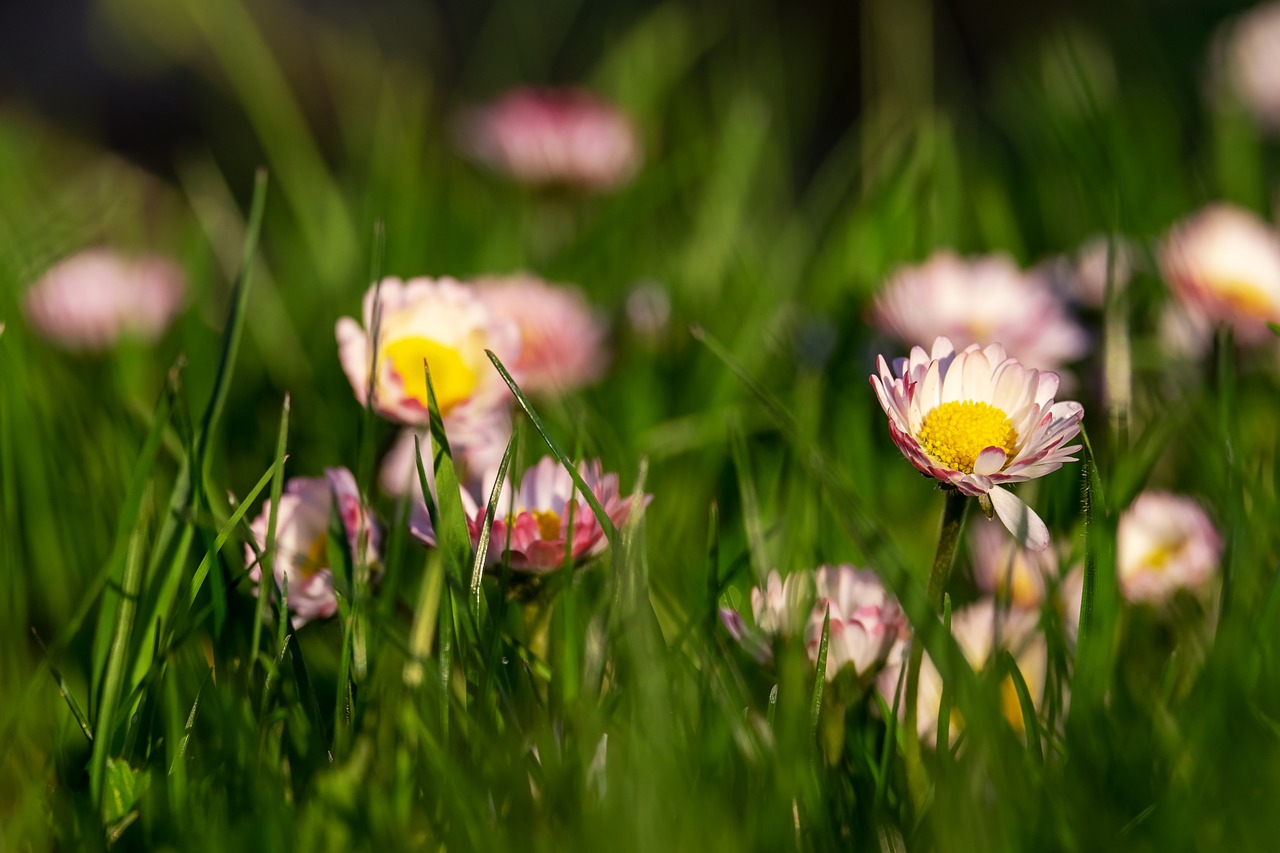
x,y
632,723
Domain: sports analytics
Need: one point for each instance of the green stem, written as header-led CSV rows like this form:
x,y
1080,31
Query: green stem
x,y
953,514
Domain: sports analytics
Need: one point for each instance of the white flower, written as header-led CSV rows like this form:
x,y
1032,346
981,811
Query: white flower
x,y
561,336
1224,264
438,321
865,620
91,300
978,420
1000,566
302,540
1165,542
980,300
979,630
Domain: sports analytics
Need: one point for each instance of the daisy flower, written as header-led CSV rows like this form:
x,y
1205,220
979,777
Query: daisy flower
x,y
980,300
1001,567
552,136
561,336
302,540
536,517
980,630
1224,263
865,619
93,299
1248,51
1165,542
438,321
977,421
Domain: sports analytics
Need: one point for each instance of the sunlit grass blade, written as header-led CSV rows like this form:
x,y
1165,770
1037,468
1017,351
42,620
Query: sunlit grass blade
x,y
820,676
202,570
606,523
750,503
1030,719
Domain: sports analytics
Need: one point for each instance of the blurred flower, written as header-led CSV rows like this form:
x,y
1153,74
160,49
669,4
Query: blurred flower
x,y
561,337
1082,277
865,619
1185,333
1224,263
1000,567
302,540
1249,50
979,300
552,136
977,420
1070,601
443,323
536,517
979,629
475,450
92,299
1165,542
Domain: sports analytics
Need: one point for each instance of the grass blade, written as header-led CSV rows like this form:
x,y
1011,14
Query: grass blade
x,y
266,565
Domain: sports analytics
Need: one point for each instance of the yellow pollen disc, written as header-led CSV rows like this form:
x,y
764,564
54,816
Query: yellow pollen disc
x,y
315,558
1244,297
955,433
1158,558
453,379
548,523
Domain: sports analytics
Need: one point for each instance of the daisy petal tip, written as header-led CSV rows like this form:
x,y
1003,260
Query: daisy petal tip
x,y
1020,519
990,460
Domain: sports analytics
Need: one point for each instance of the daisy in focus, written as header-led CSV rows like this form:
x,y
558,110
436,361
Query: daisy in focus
x,y
981,630
977,421
92,300
532,523
1165,542
302,540
443,323
552,136
561,336
980,300
1224,266
865,619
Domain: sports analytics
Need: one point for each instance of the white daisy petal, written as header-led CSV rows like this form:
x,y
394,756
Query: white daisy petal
x,y
1022,522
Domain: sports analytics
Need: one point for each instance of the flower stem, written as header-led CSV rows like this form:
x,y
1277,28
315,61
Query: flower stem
x,y
953,514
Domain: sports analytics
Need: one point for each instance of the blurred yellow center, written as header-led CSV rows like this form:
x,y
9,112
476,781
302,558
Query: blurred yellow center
x,y
1244,297
1159,557
955,433
453,379
315,558
548,523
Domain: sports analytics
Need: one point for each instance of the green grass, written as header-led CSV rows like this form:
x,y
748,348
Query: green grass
x,y
144,701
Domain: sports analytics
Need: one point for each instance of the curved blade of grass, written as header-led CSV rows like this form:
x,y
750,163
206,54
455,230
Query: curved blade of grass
x,y
486,529
1030,720
820,677
63,689
112,683
202,570
610,530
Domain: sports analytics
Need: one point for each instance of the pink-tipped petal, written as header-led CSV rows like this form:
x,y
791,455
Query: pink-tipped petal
x,y
989,461
1022,522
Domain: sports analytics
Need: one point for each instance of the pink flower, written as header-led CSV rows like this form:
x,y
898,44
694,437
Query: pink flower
x,y
443,323
978,420
536,517
1249,49
980,300
561,337
1001,567
865,619
302,540
91,300
980,630
553,136
1165,542
1224,264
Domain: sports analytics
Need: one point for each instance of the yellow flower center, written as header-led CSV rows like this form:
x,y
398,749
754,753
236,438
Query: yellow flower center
x,y
1159,557
955,433
453,379
548,523
315,558
1243,297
